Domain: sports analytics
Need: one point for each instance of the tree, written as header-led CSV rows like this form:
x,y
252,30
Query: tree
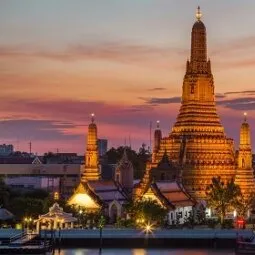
x,y
26,206
4,194
47,156
244,204
146,211
222,197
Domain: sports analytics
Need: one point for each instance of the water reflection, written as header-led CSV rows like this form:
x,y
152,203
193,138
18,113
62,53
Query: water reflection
x,y
142,252
139,252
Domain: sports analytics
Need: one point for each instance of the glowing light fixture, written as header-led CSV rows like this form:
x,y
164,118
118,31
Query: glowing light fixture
x,y
148,228
92,117
245,116
83,200
198,13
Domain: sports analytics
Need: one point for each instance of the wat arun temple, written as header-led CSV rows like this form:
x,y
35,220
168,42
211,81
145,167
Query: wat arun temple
x,y
197,145
183,163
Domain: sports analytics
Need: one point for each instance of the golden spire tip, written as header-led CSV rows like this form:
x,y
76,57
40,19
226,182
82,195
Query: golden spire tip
x,y
92,117
198,13
245,116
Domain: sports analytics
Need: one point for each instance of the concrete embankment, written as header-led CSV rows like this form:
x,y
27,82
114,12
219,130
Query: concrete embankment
x,y
197,238
158,238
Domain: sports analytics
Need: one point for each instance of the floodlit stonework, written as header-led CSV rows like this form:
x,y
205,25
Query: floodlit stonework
x,y
244,176
197,144
91,169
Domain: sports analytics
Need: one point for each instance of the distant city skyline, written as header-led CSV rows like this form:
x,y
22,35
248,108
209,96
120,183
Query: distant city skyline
x,y
122,60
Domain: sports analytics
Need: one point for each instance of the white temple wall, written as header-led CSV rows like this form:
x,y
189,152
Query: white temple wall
x,y
180,212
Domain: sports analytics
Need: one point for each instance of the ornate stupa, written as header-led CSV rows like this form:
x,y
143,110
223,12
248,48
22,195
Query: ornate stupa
x,y
197,141
157,139
91,169
244,175
124,173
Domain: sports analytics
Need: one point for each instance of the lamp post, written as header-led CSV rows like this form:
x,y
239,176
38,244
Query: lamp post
x,y
29,223
101,225
25,223
80,215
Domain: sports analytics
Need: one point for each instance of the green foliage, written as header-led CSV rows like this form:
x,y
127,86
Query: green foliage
x,y
228,223
212,223
4,194
201,215
37,193
124,223
244,204
101,221
29,202
222,197
146,211
26,206
88,218
189,221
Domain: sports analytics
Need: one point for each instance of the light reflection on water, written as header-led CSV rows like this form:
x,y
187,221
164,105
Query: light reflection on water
x,y
142,252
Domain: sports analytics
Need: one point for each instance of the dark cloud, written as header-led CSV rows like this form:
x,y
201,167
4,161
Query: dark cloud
x,y
156,89
220,95
245,103
30,129
161,100
138,108
79,111
116,51
247,92
241,103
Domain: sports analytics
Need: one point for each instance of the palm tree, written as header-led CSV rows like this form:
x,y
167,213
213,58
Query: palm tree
x,y
222,197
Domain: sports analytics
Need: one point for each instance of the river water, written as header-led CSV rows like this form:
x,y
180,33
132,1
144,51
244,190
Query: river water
x,y
82,251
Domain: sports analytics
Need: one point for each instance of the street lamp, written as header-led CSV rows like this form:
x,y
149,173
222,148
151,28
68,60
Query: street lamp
x,y
80,215
101,225
29,222
25,223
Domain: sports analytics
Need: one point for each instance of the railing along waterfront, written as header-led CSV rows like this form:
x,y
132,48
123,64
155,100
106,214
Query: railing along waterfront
x,y
158,233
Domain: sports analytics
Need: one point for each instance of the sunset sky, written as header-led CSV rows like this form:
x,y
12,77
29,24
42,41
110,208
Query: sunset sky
x,y
124,60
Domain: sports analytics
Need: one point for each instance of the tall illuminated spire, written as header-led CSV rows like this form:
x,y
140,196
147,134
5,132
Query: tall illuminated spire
x,y
91,169
245,134
157,138
198,81
244,175
198,41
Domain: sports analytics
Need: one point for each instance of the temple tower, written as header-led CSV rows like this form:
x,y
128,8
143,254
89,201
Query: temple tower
x,y
197,141
124,173
245,150
157,139
244,176
91,168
